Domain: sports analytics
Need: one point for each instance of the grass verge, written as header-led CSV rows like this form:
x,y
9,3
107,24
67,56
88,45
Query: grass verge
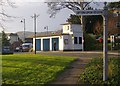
x,y
93,74
34,70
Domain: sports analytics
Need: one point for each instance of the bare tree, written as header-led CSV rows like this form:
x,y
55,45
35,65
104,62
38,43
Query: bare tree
x,y
3,15
55,7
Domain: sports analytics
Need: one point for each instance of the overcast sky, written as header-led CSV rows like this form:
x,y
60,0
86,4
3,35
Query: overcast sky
x,y
26,9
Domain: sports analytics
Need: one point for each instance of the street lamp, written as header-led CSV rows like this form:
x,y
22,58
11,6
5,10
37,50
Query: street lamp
x,y
23,21
46,27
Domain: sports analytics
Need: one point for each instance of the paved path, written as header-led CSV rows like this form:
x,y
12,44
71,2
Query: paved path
x,y
72,74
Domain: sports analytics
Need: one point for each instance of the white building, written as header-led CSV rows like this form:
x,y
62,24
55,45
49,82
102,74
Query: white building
x,y
13,37
67,39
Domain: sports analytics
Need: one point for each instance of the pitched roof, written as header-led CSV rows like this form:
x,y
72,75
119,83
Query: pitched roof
x,y
12,34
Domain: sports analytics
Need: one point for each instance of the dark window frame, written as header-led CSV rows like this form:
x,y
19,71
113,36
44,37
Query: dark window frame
x,y
75,40
80,40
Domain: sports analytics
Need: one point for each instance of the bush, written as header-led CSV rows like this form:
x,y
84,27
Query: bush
x,y
93,74
90,42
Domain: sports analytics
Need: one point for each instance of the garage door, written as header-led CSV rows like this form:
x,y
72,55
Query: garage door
x,y
38,44
46,44
55,43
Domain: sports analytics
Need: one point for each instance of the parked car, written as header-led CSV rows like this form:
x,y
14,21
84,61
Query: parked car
x,y
18,49
26,47
7,50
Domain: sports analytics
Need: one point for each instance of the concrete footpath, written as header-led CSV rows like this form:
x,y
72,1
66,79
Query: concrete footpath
x,y
72,74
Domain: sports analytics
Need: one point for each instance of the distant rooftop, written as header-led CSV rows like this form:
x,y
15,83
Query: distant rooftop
x,y
69,23
12,34
49,33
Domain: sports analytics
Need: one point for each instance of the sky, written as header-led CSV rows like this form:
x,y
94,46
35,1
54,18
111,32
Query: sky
x,y
26,8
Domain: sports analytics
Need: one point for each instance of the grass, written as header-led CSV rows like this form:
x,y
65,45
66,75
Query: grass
x,y
32,69
93,74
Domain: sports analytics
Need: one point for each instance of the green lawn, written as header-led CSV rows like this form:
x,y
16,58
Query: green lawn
x,y
32,69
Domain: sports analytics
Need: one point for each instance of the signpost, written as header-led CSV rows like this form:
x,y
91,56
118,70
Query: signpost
x,y
88,12
104,14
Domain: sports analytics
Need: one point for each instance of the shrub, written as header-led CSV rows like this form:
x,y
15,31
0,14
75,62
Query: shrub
x,y
93,74
92,44
89,42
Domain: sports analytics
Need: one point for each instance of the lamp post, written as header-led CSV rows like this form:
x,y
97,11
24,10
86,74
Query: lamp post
x,y
46,27
23,21
34,17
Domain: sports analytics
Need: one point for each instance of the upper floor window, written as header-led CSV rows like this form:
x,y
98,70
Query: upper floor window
x,y
68,27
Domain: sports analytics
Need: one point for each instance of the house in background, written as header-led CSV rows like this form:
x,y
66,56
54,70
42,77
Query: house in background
x,y
14,40
13,37
69,38
114,22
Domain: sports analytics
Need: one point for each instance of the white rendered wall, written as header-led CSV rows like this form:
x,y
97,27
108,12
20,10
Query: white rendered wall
x,y
66,28
13,39
69,45
77,32
33,44
60,42
41,44
74,31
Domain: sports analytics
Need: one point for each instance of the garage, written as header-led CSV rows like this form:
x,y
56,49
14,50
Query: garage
x,y
55,44
38,44
46,44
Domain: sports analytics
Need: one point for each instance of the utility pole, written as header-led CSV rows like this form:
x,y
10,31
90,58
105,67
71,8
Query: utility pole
x,y
23,21
34,17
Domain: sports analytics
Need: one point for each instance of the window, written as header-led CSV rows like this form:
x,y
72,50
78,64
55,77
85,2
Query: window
x,y
75,40
65,41
80,40
68,28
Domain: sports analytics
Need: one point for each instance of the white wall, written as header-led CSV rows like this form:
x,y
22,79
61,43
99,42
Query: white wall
x,y
66,28
71,45
34,44
76,28
60,42
13,39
